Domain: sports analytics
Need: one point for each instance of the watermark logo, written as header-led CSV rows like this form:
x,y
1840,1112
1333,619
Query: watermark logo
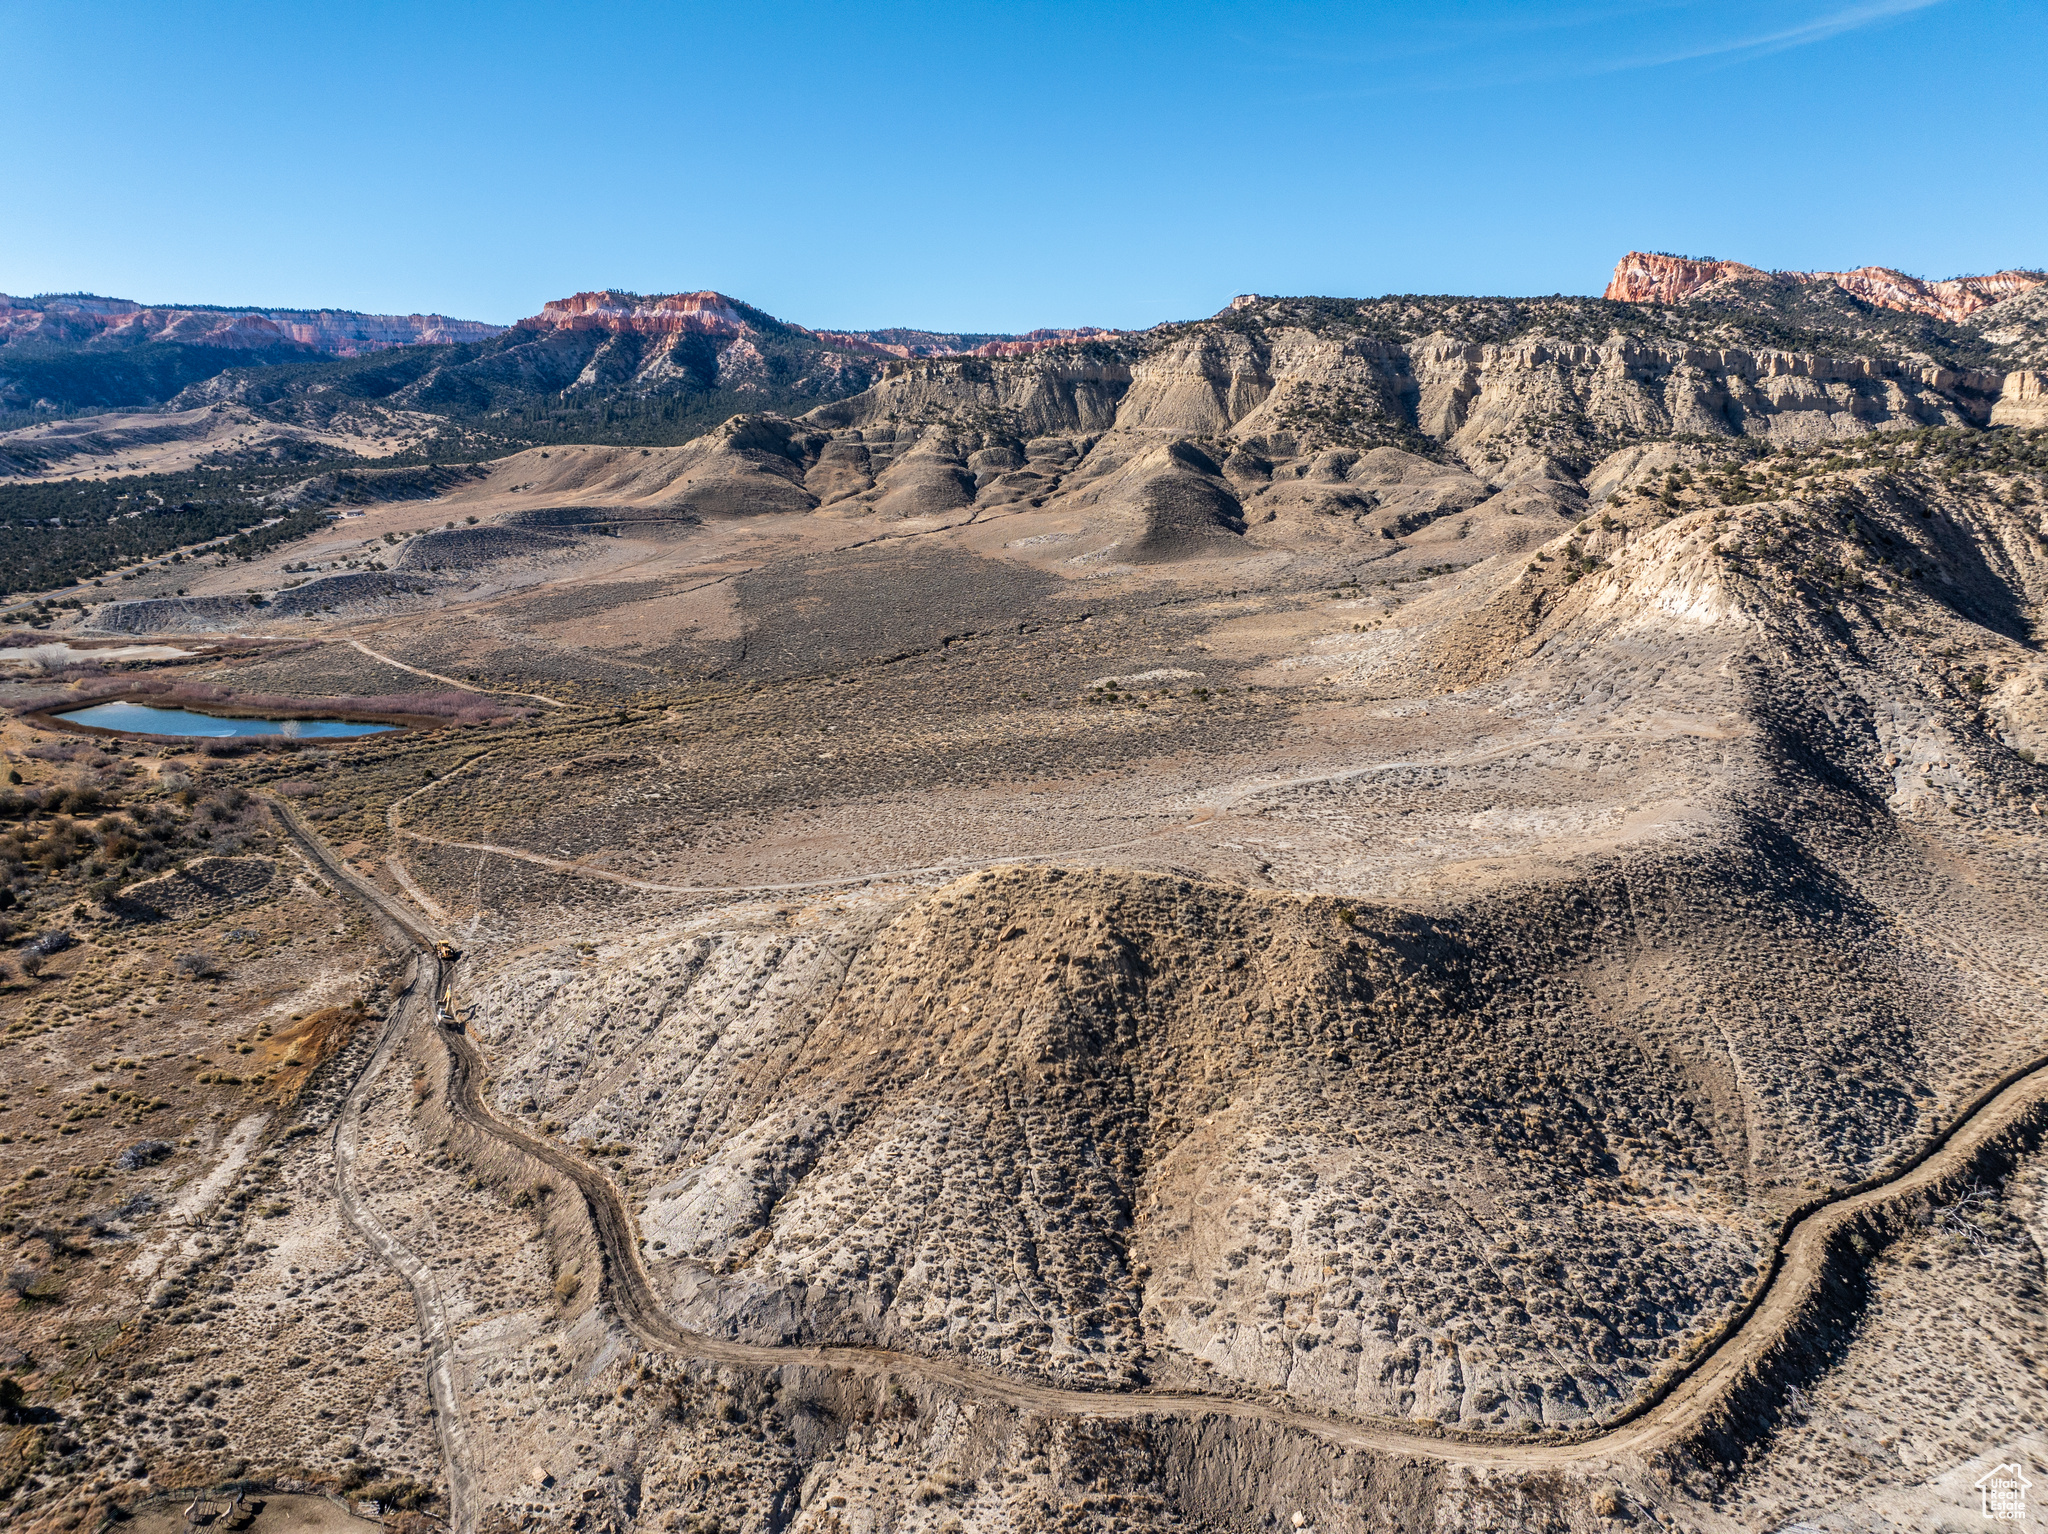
x,y
2004,1490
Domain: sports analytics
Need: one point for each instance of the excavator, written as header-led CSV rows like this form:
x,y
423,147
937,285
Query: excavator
x,y
444,1004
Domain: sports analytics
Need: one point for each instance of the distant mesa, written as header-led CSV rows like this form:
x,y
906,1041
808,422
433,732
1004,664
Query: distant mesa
x,y
715,314
74,320
1649,277
87,322
660,314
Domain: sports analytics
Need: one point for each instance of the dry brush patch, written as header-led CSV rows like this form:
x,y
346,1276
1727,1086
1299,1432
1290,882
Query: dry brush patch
x,y
1110,1129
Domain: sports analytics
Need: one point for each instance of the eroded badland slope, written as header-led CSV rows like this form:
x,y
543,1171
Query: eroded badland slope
x,y
1255,925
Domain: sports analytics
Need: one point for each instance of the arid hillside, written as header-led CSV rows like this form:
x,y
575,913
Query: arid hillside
x,y
1299,920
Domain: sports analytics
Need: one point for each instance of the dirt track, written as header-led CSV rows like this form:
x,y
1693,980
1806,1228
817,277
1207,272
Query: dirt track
x,y
1785,1301
435,676
418,1276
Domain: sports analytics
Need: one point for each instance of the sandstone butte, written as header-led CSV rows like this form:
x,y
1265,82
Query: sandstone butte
x,y
77,319
1644,277
714,314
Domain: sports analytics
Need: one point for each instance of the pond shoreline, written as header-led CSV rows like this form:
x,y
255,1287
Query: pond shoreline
x,y
183,722
50,718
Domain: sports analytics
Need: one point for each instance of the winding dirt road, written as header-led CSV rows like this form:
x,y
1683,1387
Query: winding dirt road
x,y
1782,1302
435,676
435,1332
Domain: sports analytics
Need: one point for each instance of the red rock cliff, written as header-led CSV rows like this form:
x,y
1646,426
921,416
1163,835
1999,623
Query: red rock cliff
x,y
662,314
87,321
710,313
1650,277
1956,298
1642,277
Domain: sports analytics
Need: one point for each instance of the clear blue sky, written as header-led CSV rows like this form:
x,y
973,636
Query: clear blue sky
x,y
1001,166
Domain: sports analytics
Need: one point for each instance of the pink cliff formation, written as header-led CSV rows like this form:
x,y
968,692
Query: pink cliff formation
x,y
107,322
664,314
1642,277
710,313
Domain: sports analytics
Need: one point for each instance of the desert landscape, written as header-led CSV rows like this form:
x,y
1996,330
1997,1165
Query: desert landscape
x,y
1379,914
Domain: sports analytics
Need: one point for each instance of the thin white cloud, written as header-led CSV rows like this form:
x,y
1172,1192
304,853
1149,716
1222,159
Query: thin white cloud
x,y
1586,63
1820,29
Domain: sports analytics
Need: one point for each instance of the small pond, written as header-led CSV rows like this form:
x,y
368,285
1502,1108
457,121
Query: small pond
x,y
144,720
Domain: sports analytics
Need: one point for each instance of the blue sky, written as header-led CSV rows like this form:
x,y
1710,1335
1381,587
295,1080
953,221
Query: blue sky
x,y
1002,166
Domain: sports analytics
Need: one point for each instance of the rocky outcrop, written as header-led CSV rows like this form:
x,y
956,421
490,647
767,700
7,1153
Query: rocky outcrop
x,y
641,345
705,313
1492,403
1050,392
1251,430
1289,391
86,321
1226,435
593,345
1502,408
1642,277
1652,277
1036,340
712,313
1956,298
1201,385
2022,401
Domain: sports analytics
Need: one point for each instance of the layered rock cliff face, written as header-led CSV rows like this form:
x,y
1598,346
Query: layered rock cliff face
x,y
1956,298
1652,278
1489,405
705,313
102,323
1503,387
1293,424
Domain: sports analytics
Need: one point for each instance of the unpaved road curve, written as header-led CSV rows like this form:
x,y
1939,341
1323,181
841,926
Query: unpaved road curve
x,y
435,1332
953,866
435,676
1693,1395
1669,1414
436,1335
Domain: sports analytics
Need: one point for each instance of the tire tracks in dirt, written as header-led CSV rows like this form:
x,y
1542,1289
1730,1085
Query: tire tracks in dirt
x,y
436,1334
953,866
1785,1298
1666,1416
435,676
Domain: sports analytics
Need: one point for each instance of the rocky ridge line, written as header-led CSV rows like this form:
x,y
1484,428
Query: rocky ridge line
x,y
85,320
1652,277
711,313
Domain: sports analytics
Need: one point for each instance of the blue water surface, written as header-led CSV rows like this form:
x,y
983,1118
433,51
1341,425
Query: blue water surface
x,y
145,720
